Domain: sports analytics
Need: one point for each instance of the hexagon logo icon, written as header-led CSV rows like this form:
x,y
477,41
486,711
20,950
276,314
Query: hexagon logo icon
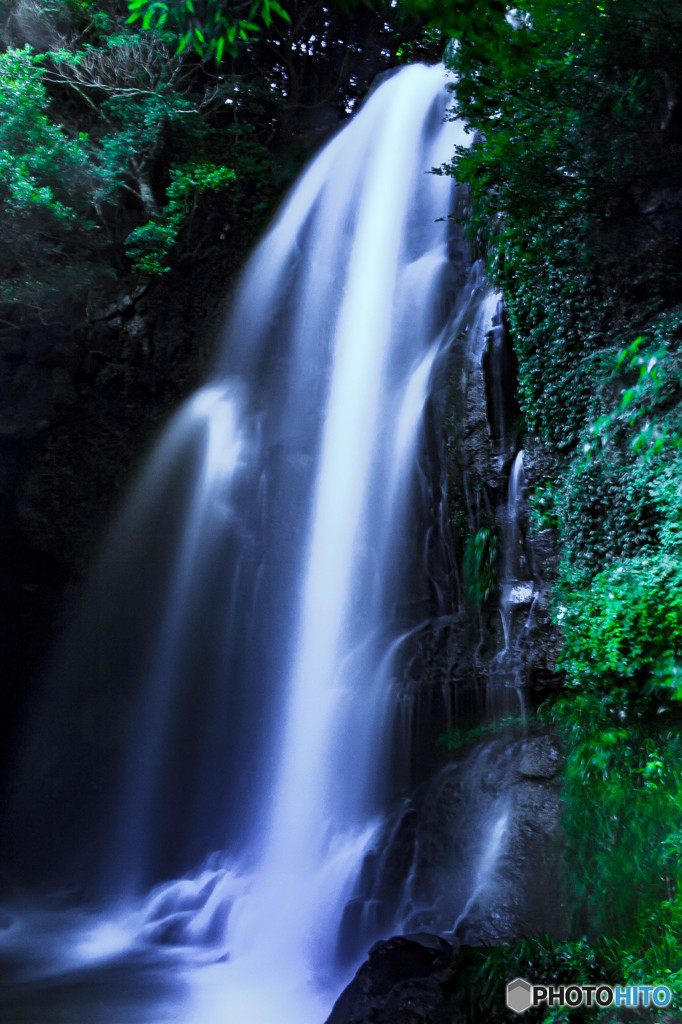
x,y
519,995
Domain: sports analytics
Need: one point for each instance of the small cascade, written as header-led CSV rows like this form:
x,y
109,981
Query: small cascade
x,y
517,590
486,864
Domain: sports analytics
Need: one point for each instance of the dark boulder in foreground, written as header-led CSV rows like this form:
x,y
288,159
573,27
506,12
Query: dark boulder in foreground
x,y
405,980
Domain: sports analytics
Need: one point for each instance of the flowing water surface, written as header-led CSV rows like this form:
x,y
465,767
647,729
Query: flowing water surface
x,y
241,633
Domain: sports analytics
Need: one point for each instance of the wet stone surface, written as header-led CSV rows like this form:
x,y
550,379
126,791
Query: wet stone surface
x,y
540,760
401,981
481,844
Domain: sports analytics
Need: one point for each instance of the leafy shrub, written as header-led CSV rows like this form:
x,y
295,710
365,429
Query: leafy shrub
x,y
47,186
620,494
207,26
622,819
619,603
149,245
482,975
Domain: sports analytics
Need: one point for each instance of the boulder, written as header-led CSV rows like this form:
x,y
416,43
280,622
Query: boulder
x,y
401,982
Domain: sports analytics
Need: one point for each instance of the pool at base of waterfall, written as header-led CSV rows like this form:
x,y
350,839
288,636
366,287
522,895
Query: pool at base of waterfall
x,y
70,968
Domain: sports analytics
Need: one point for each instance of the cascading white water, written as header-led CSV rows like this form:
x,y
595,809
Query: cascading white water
x,y
377,323
248,605
517,587
485,865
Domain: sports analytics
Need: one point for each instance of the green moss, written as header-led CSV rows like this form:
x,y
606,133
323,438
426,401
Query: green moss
x,y
479,566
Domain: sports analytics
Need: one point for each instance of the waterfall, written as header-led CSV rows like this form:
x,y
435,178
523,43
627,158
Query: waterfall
x,y
245,620
517,589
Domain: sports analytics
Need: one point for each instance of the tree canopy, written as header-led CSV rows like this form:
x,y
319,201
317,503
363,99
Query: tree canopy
x,y
122,121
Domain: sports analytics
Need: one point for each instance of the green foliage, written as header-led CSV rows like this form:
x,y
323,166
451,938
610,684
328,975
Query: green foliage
x,y
482,975
626,625
212,28
221,29
428,41
101,120
47,186
543,506
619,604
620,492
145,104
34,150
107,148
149,245
650,370
622,790
479,566
559,107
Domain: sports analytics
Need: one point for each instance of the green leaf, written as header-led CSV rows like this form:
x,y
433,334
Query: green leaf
x,y
279,10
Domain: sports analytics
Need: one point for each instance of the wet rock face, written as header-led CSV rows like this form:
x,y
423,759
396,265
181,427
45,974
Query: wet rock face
x,y
489,501
498,364
473,855
80,405
480,845
540,759
524,891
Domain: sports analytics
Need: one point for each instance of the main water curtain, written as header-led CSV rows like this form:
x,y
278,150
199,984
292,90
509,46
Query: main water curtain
x,y
241,632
